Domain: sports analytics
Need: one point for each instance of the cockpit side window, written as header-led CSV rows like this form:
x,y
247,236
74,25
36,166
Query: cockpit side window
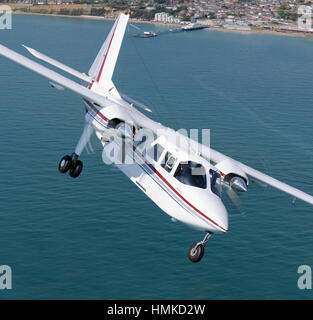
x,y
168,162
192,174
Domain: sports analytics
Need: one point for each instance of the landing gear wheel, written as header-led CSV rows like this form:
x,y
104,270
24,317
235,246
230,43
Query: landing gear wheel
x,y
196,252
76,169
65,164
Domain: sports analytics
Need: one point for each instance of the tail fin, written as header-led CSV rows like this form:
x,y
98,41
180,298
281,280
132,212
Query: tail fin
x,y
103,67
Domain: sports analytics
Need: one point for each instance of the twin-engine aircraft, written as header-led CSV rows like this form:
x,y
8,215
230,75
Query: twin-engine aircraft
x,y
183,177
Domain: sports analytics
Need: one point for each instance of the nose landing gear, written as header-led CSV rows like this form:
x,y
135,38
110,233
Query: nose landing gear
x,y
72,164
196,251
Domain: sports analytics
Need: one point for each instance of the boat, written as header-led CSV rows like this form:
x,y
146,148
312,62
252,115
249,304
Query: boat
x,y
194,26
146,34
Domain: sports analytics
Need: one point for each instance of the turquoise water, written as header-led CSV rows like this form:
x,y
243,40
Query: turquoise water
x,y
99,237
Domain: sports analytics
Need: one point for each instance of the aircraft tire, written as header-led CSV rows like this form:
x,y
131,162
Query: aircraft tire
x,y
198,254
76,169
65,164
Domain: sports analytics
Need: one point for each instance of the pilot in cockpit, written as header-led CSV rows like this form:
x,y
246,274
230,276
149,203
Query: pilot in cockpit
x,y
180,170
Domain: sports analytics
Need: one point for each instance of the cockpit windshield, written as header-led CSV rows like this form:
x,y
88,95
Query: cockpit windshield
x,y
215,176
192,174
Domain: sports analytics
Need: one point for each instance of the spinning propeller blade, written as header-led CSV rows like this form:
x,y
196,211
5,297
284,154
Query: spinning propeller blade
x,y
233,202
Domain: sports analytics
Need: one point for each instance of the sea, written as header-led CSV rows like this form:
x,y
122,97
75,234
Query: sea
x,y
100,237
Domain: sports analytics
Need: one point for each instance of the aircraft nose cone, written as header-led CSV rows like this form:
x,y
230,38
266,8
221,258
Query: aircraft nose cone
x,y
223,214
220,215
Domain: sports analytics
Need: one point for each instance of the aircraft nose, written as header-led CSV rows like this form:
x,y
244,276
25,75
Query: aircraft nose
x,y
223,217
220,215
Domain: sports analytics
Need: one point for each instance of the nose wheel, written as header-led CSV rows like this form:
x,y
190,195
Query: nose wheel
x,y
196,251
71,164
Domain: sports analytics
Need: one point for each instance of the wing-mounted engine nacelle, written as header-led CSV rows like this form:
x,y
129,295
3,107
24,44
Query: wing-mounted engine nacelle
x,y
234,176
124,129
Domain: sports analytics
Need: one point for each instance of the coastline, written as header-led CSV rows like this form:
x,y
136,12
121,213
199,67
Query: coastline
x,y
262,31
95,18
221,29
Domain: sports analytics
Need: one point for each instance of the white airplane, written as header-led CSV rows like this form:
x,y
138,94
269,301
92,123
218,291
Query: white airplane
x,y
184,179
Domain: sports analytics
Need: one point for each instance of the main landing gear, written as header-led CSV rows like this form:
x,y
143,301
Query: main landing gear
x,y
196,251
72,164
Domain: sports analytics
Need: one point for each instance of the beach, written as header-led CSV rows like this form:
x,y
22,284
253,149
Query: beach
x,y
210,28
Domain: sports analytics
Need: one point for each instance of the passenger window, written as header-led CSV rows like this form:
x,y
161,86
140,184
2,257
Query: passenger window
x,y
168,162
155,152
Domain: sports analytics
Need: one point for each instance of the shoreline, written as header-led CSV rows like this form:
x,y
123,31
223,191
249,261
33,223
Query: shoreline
x,y
262,31
87,17
210,28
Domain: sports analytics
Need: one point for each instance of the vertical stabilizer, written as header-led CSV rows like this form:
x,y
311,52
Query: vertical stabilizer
x,y
103,67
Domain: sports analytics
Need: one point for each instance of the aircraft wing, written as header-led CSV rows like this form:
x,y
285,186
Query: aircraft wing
x,y
53,76
58,64
217,157
103,66
276,183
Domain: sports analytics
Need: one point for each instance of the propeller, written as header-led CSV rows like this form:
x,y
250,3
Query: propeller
x,y
234,202
233,196
232,188
134,102
117,150
236,186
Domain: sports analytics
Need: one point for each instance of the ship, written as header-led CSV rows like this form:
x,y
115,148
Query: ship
x,y
146,34
194,26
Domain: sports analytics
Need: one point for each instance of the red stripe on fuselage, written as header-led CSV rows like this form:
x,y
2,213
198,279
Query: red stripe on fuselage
x,y
96,110
91,83
176,192
159,174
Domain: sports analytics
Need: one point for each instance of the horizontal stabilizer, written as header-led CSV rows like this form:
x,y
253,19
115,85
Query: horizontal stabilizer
x,y
53,76
58,64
